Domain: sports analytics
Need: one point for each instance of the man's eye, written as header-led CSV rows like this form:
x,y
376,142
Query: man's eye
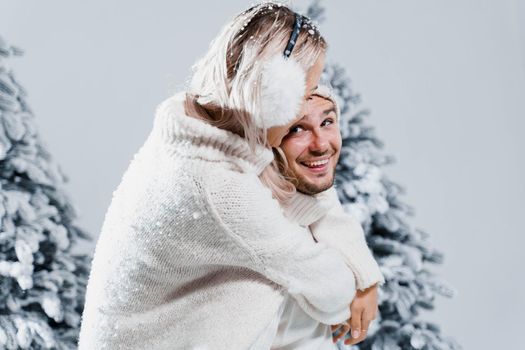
x,y
327,122
295,129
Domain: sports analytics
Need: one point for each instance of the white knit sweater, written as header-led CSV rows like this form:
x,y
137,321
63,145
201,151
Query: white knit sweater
x,y
295,329
195,253
328,222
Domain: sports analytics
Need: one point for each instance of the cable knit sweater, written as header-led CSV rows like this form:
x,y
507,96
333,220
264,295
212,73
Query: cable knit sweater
x,y
195,253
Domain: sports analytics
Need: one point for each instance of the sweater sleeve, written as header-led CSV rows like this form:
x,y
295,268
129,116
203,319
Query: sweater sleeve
x,y
342,231
315,275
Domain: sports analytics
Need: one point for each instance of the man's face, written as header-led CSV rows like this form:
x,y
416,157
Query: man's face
x,y
312,147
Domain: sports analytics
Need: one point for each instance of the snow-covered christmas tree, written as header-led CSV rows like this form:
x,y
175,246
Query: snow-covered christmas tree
x,y
42,283
402,251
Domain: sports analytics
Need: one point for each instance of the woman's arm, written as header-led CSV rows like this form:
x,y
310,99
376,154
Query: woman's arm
x,y
330,224
342,231
314,274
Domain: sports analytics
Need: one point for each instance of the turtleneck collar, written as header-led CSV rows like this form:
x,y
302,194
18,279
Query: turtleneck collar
x,y
307,209
195,138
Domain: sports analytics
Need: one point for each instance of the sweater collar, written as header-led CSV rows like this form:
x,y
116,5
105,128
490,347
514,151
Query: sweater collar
x,y
195,138
307,209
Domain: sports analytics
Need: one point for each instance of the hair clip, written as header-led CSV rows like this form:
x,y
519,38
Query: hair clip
x,y
295,34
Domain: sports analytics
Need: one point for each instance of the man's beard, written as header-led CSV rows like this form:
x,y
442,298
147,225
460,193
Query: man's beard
x,y
308,188
311,189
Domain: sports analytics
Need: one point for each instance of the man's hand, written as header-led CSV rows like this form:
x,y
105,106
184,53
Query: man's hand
x,y
363,310
345,328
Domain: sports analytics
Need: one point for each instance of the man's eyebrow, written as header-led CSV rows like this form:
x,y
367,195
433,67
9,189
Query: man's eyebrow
x,y
329,110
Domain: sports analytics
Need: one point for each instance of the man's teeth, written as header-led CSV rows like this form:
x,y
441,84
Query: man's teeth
x,y
316,163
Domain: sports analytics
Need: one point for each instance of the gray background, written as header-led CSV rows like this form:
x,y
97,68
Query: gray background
x,y
443,79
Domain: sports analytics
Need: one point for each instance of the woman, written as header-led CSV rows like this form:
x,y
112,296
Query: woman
x,y
194,251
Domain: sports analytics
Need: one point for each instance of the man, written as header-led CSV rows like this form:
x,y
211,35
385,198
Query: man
x,y
308,156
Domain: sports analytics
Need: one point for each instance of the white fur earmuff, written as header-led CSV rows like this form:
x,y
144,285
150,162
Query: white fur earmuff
x,y
283,85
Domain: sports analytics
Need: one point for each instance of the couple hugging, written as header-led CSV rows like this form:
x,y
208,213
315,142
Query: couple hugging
x,y
226,231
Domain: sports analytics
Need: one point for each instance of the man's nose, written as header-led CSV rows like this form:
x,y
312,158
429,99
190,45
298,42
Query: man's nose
x,y
319,142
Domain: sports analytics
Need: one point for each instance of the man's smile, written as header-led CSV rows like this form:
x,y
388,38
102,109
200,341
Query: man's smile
x,y
316,165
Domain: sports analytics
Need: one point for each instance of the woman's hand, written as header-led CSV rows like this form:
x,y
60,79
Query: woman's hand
x,y
363,310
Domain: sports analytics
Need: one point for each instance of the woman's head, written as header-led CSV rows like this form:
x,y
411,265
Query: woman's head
x,y
229,81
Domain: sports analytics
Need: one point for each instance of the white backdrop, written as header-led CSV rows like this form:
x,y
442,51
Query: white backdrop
x,y
443,80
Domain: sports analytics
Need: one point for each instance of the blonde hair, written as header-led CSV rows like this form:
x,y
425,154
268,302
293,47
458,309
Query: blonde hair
x,y
225,86
274,176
